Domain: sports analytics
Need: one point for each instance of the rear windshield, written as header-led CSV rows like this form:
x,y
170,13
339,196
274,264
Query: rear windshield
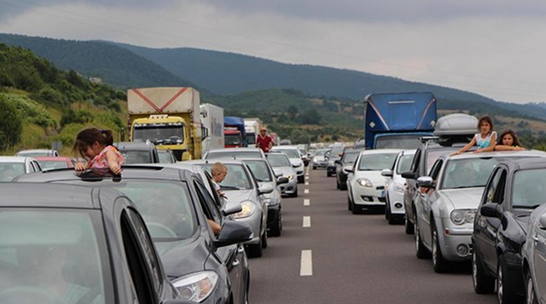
x,y
42,251
260,170
292,153
404,164
350,157
406,142
376,162
236,178
278,160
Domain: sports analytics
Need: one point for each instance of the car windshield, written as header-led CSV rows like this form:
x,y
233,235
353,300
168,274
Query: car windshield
x,y
233,154
260,170
172,133
8,171
376,162
278,160
404,163
529,188
166,207
336,150
350,157
232,139
51,256
135,157
236,178
53,164
292,153
398,142
466,173
164,157
320,152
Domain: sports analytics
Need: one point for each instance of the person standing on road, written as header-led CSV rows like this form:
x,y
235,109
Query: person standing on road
x,y
264,141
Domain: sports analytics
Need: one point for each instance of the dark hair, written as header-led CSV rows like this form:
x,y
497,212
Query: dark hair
x,y
487,119
514,136
87,137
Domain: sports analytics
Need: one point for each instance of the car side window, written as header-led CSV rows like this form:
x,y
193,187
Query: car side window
x,y
415,163
146,256
35,166
435,170
495,188
208,204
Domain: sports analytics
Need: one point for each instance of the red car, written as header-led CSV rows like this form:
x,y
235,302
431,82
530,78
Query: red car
x,y
54,162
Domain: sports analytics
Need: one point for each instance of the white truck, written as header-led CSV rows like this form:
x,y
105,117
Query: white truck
x,y
212,127
252,129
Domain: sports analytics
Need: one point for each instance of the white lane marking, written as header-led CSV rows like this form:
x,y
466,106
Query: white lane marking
x,y
306,191
306,267
306,221
307,183
306,202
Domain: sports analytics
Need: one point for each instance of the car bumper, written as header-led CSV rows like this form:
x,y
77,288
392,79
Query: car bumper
x,y
289,188
331,169
396,203
456,241
364,196
320,164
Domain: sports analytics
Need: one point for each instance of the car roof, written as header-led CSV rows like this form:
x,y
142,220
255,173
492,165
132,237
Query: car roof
x,y
380,151
526,163
58,158
15,159
234,150
36,150
284,147
46,195
134,145
469,155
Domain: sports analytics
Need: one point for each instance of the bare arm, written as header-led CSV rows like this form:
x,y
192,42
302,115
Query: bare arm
x,y
465,148
508,148
491,146
112,160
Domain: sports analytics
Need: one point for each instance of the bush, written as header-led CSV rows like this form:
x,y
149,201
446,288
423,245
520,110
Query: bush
x,y
11,124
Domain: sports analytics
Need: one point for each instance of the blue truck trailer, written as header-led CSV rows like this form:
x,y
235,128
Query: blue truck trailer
x,y
397,120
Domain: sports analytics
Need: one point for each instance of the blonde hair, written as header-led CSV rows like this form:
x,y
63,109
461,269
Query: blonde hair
x,y
217,168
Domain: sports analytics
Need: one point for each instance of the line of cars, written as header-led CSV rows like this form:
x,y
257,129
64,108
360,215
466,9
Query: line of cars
x,y
170,205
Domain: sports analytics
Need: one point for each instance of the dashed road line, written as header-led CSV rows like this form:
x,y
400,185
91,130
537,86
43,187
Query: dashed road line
x,y
306,202
306,191
306,221
306,266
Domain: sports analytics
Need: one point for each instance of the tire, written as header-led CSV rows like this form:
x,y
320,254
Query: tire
x,y
409,227
255,250
439,264
421,252
314,168
506,291
264,240
295,194
530,289
328,174
338,185
349,204
483,284
277,227
342,186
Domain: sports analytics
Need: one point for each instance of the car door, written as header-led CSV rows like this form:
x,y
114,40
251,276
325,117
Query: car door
x,y
539,258
485,228
411,185
424,205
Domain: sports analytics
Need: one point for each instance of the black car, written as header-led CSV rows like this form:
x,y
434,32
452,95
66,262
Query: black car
x,y
138,152
90,241
347,160
337,152
176,208
513,190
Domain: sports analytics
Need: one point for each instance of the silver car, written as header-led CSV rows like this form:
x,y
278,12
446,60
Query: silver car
x,y
234,153
295,159
449,198
282,167
534,256
241,188
12,166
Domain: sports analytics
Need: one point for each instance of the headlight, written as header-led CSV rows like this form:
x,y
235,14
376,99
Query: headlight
x,y
267,201
298,164
248,210
398,188
364,182
462,216
315,160
290,177
196,287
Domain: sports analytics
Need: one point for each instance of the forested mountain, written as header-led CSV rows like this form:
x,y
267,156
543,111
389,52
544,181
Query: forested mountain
x,y
114,65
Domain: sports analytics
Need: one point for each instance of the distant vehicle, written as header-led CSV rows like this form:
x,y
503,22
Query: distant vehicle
x,y
234,132
294,155
168,117
92,239
397,120
512,191
320,158
166,156
360,143
37,152
365,184
13,166
252,129
138,152
343,164
285,142
394,186
282,167
212,122
54,162
335,154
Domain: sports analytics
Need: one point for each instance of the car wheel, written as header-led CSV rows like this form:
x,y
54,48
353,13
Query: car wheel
x,y
349,204
531,295
439,264
420,250
301,179
314,168
482,283
277,227
342,186
264,240
409,227
338,185
295,194
255,250
506,292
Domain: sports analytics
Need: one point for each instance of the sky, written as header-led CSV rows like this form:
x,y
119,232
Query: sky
x,y
495,48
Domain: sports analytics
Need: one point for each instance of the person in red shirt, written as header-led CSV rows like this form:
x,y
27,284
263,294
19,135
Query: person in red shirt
x,y
264,141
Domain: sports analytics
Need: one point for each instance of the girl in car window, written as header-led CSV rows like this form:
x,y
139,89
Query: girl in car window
x,y
485,139
97,147
508,141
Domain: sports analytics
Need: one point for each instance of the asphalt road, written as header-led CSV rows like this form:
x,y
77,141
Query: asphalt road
x,y
348,258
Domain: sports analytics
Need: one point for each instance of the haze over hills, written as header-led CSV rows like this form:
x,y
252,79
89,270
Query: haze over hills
x,y
217,74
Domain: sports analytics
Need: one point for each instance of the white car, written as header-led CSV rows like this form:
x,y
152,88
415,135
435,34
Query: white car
x,y
365,184
13,166
295,158
394,186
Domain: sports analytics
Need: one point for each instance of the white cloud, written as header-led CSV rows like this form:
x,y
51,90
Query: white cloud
x,y
493,54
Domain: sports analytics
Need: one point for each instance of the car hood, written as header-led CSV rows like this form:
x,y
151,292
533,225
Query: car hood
x,y
465,198
182,257
374,176
284,171
235,197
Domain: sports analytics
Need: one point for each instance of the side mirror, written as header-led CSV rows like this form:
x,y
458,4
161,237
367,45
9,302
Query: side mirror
x,y
542,221
408,174
425,182
282,180
232,210
265,189
233,232
386,172
349,169
491,210
294,166
337,162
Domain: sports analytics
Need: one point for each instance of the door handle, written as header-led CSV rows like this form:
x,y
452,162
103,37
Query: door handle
x,y
235,263
535,238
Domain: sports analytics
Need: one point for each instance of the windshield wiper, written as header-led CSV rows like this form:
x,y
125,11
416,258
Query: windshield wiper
x,y
526,207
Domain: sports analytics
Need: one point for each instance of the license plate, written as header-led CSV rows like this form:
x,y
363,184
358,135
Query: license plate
x,y
382,193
